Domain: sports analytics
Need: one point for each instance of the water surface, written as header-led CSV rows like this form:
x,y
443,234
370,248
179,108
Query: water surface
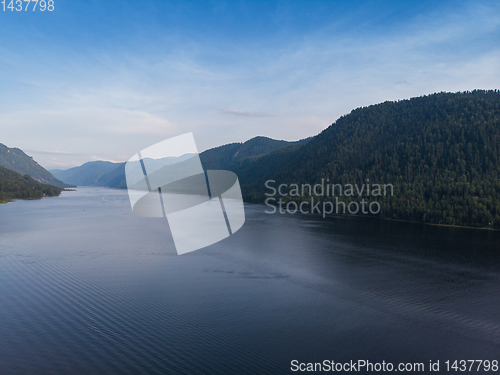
x,y
86,287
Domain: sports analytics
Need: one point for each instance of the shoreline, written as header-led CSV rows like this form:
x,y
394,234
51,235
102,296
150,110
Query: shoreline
x,y
389,219
316,215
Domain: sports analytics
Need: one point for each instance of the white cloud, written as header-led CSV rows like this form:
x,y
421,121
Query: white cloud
x,y
244,113
77,134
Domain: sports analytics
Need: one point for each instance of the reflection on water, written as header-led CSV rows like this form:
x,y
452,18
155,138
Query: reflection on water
x,y
88,287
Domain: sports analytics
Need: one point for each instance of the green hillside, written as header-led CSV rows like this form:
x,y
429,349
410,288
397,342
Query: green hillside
x,y
16,186
235,155
441,153
16,160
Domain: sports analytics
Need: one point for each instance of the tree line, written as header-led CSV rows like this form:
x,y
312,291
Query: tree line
x,y
16,186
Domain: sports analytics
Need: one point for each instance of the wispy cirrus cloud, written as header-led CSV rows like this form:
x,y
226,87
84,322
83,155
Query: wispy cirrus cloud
x,y
51,152
236,112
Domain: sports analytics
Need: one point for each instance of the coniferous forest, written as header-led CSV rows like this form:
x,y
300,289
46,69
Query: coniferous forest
x,y
16,186
441,153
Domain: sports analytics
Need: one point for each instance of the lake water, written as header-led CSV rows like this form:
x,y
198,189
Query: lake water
x,y
87,287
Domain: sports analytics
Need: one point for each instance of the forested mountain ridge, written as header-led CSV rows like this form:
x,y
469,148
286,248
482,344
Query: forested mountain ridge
x,y
16,160
102,173
235,154
441,152
16,186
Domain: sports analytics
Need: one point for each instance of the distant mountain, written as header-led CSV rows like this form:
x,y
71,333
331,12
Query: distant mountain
x,y
441,152
114,179
16,160
107,174
16,186
86,174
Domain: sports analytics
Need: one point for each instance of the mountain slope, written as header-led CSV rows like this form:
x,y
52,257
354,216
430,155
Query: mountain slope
x,y
15,186
86,174
441,153
225,157
114,178
16,160
233,154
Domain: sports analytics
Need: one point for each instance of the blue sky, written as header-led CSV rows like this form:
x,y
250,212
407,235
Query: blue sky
x,y
101,80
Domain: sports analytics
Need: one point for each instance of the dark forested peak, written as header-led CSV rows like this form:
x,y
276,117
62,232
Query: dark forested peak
x,y
441,152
